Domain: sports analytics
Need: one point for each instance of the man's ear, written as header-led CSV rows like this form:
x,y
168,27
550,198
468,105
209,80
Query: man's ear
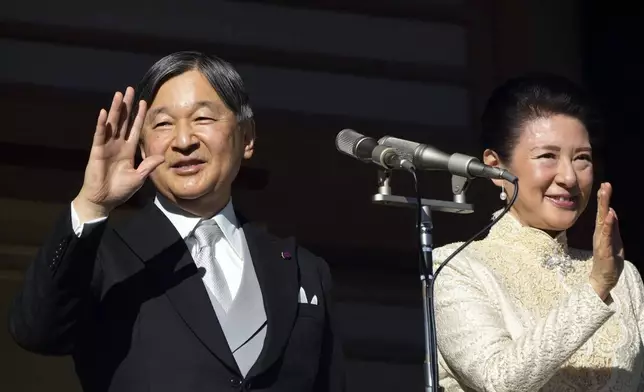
x,y
491,158
248,128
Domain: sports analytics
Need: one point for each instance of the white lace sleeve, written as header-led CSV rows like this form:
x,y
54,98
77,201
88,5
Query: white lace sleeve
x,y
476,345
637,296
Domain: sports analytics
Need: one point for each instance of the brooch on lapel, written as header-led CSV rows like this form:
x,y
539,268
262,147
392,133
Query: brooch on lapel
x,y
562,262
286,255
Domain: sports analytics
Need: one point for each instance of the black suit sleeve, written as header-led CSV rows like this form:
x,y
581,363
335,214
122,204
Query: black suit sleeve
x,y
331,375
56,295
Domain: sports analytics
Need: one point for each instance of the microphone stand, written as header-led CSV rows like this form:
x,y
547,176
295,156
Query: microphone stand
x,y
458,206
427,280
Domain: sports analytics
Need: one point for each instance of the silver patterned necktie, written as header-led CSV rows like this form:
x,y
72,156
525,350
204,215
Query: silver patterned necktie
x,y
207,233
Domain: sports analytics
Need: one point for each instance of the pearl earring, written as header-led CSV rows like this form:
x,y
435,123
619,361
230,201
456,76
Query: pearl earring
x,y
503,196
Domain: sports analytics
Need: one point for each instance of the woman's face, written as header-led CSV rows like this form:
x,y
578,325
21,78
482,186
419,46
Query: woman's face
x,y
553,161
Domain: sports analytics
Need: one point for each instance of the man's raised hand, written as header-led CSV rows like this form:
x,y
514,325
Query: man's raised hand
x,y
110,176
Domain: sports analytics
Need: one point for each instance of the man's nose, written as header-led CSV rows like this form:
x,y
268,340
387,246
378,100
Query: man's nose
x,y
185,138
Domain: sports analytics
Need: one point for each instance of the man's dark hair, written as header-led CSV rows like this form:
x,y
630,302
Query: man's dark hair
x,y
221,75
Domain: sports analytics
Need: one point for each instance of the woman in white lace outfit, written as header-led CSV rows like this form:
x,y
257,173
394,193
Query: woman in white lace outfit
x,y
519,310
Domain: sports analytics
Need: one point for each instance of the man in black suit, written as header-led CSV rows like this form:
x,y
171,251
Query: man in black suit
x,y
186,295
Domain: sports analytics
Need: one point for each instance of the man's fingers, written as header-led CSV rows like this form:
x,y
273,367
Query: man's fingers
x,y
135,131
149,164
114,115
126,109
129,98
100,133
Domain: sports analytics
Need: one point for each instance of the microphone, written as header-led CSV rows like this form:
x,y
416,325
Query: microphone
x,y
367,149
426,157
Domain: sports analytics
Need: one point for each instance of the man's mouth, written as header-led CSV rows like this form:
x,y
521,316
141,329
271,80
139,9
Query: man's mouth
x,y
187,162
187,166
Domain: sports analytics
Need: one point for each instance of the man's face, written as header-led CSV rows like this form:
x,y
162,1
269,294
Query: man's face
x,y
200,138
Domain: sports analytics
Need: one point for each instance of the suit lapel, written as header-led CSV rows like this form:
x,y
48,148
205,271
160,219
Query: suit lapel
x,y
153,238
278,279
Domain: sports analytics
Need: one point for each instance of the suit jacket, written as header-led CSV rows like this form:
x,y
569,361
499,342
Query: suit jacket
x,y
128,303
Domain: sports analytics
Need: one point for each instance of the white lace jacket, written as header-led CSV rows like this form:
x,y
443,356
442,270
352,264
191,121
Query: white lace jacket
x,y
515,312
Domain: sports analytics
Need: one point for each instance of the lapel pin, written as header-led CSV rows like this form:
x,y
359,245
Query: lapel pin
x,y
286,255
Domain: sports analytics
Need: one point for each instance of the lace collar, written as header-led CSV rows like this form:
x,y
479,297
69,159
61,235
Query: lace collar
x,y
552,253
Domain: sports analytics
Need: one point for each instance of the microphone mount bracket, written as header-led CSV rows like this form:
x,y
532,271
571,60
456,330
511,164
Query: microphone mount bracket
x,y
459,186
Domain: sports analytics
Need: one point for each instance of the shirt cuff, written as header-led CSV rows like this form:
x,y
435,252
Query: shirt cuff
x,y
83,229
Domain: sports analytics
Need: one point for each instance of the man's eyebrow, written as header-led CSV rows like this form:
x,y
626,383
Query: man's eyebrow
x,y
195,106
158,110
199,104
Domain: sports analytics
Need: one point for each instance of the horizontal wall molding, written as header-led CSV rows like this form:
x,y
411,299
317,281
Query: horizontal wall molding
x,y
276,128
269,87
441,11
25,223
75,160
256,55
269,26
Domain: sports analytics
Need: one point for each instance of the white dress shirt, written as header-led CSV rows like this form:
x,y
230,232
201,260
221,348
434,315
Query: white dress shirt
x,y
229,253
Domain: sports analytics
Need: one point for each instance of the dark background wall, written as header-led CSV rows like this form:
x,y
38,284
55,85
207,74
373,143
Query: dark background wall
x,y
614,70
414,69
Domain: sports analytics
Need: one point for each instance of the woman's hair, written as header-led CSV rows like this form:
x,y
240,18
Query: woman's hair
x,y
526,98
220,74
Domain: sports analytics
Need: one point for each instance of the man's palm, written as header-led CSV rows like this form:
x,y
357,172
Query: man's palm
x,y
110,176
